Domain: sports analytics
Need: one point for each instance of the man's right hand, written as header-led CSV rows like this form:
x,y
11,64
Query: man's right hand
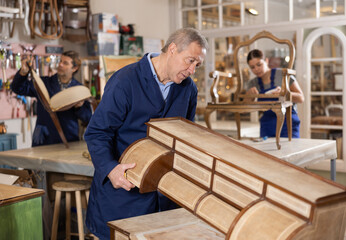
x,y
117,176
26,65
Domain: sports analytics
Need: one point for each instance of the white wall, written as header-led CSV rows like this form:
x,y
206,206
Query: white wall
x,y
151,19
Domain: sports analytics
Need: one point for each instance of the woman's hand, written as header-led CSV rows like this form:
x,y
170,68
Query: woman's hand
x,y
252,90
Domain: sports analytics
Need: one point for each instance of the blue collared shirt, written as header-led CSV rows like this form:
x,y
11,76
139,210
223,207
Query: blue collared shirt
x,y
163,87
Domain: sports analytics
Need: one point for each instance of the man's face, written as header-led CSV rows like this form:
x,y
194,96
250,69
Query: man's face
x,y
65,68
183,64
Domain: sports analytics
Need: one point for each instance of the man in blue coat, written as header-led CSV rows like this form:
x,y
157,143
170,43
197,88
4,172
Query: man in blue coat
x,y
45,131
158,86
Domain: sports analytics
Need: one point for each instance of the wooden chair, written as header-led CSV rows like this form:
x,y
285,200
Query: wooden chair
x,y
111,64
61,101
15,11
241,103
49,25
76,16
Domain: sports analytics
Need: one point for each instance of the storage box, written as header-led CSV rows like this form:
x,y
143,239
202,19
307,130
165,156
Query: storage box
x,y
131,45
104,44
105,22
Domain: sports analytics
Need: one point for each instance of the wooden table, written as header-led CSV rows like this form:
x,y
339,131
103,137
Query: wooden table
x,y
299,151
51,158
20,211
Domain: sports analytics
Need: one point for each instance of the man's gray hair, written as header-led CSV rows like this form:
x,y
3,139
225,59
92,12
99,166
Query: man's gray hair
x,y
184,37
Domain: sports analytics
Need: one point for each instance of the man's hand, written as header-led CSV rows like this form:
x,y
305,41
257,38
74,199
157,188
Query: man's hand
x,y
26,65
117,176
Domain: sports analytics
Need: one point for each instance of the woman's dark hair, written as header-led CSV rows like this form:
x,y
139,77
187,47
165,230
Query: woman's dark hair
x,y
254,54
75,59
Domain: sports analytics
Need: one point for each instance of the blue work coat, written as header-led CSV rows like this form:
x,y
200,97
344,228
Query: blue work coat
x,y
131,98
45,131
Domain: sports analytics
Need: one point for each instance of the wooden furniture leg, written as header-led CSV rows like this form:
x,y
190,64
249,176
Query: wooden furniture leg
x,y
56,215
207,114
289,122
237,119
68,215
279,123
58,127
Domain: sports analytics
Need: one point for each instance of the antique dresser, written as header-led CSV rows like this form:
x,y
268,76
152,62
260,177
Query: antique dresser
x,y
240,191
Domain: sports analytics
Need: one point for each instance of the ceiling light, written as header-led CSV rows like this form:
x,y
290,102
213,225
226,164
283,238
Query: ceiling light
x,y
251,11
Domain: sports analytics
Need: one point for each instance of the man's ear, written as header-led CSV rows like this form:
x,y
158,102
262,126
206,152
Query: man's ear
x,y
172,48
75,69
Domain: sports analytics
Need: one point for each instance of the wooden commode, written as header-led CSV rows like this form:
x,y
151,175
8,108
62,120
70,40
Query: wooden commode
x,y
242,192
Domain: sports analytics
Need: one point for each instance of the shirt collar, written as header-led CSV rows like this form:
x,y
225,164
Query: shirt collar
x,y
152,55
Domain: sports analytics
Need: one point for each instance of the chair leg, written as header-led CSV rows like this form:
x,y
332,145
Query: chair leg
x,y
87,193
68,216
79,215
58,127
56,215
237,119
289,122
207,114
279,123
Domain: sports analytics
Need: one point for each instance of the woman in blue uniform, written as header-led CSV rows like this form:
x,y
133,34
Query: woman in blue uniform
x,y
45,131
270,80
158,86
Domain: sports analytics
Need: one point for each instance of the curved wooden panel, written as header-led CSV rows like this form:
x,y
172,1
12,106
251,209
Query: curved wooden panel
x,y
265,221
152,162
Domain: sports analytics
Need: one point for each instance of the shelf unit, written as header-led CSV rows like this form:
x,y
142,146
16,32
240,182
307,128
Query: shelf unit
x,y
326,123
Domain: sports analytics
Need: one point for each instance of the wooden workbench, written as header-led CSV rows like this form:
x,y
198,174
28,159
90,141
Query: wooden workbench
x,y
51,158
20,211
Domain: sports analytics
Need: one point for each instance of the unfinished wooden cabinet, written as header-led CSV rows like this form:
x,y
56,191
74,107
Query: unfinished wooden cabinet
x,y
240,191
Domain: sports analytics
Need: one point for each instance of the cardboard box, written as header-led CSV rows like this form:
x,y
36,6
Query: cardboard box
x,y
104,44
131,45
105,22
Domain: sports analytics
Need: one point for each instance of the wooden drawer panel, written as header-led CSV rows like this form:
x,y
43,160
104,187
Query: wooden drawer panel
x,y
161,137
289,201
239,176
143,153
234,193
180,189
265,221
217,212
197,155
192,170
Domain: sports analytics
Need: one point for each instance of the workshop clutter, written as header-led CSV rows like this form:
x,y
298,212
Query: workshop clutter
x,y
104,44
105,22
112,38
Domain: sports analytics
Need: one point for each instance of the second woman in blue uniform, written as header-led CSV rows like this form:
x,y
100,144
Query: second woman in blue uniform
x,y
270,80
